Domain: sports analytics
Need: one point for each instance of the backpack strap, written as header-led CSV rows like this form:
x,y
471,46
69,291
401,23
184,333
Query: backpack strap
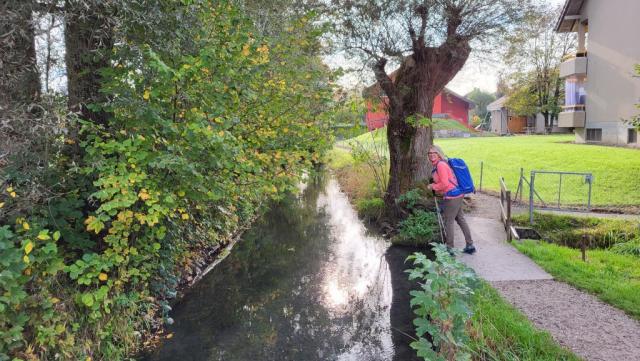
x,y
435,169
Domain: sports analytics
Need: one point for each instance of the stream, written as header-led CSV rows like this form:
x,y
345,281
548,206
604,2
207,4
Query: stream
x,y
306,282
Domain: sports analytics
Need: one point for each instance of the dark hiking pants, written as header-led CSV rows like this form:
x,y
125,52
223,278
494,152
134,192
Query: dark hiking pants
x,y
453,212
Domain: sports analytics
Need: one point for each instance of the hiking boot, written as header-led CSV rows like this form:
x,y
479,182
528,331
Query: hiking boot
x,y
469,249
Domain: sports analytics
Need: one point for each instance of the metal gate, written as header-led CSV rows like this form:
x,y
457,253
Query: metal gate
x,y
555,190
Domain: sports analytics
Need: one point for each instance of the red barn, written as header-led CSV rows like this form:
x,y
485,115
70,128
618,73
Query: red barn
x,y
446,105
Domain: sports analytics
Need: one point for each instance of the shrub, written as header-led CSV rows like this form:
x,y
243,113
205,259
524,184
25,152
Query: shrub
x,y
442,305
421,227
370,208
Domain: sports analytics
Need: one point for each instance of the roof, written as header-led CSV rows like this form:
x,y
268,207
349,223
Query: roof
x,y
497,104
569,16
374,90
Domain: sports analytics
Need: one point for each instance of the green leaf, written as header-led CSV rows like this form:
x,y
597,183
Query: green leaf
x,y
87,299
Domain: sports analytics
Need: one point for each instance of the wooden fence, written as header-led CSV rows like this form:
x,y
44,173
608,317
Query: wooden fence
x,y
505,211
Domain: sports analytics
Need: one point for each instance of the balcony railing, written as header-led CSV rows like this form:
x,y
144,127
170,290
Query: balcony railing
x,y
573,66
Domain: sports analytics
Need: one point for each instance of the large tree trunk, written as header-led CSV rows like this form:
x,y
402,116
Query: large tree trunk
x,y
418,81
88,42
19,79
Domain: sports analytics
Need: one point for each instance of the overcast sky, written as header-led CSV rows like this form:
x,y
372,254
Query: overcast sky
x,y
475,73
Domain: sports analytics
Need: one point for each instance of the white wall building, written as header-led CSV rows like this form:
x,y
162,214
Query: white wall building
x,y
601,85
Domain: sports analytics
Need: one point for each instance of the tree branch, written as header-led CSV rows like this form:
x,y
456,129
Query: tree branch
x,y
385,82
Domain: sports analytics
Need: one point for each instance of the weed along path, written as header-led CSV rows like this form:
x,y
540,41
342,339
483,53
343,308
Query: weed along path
x,y
307,282
579,321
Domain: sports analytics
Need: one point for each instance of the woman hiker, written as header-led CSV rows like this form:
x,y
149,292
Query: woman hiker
x,y
444,181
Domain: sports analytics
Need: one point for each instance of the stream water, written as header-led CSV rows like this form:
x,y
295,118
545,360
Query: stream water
x,y
307,282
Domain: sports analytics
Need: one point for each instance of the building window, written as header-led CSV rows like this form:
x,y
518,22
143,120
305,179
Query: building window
x,y
594,135
632,136
574,92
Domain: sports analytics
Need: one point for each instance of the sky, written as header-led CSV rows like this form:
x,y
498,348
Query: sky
x,y
474,74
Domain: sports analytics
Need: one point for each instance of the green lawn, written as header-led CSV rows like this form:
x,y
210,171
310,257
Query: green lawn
x,y
501,332
616,171
450,124
614,278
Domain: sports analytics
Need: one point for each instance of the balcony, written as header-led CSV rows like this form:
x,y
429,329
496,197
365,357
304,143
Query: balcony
x,y
572,117
574,66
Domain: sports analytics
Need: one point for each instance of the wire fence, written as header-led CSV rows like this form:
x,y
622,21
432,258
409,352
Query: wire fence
x,y
581,191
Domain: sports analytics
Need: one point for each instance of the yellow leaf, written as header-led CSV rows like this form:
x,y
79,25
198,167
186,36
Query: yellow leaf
x,y
28,247
146,94
26,226
103,276
25,259
185,216
181,193
245,50
12,194
221,133
1,204
9,189
55,300
144,195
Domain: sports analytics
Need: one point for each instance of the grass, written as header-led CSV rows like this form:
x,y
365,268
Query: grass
x,y
568,231
614,278
615,170
501,332
450,124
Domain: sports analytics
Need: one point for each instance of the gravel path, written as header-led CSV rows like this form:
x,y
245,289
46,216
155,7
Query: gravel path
x,y
577,320
590,328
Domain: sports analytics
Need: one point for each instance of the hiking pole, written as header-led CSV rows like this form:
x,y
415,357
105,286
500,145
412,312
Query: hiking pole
x,y
440,220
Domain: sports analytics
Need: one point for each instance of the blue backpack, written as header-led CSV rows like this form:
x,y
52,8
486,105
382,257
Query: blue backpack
x,y
463,177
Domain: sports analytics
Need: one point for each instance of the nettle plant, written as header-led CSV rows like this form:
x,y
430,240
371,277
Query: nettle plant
x,y
442,305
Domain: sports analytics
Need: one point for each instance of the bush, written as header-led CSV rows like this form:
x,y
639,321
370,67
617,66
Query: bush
x,y
420,228
442,305
568,231
370,208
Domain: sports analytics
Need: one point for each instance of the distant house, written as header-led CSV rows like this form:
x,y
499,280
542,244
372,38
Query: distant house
x,y
446,105
600,88
505,122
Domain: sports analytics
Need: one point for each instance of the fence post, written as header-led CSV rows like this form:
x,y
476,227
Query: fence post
x,y
509,216
589,199
521,184
559,189
481,173
531,190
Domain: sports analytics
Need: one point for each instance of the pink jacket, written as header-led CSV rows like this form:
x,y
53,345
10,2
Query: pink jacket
x,y
444,179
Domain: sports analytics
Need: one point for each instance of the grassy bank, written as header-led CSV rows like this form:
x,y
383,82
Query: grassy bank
x,y
568,231
615,170
614,278
501,332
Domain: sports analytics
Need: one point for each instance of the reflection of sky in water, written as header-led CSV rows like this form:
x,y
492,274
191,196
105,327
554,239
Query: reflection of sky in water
x,y
306,283
355,274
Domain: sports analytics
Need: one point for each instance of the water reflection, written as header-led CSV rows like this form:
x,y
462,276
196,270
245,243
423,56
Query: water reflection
x,y
306,283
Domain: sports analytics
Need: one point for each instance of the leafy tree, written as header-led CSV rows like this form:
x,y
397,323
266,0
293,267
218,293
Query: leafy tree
x,y
192,120
431,41
534,53
481,98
